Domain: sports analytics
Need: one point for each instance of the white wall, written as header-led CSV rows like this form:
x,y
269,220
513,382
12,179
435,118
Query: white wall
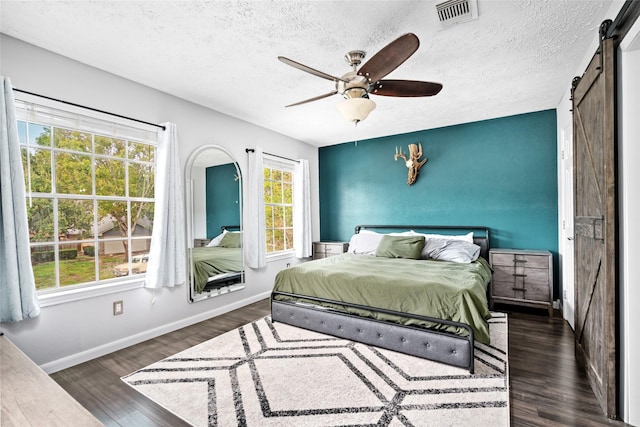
x,y
629,204
70,333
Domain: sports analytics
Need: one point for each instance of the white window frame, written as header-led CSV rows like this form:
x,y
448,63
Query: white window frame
x,y
73,118
272,162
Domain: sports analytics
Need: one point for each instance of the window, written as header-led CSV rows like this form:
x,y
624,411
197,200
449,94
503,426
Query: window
x,y
89,194
278,205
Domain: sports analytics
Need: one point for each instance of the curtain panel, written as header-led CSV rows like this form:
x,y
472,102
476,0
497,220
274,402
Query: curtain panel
x,y
167,265
255,245
302,210
18,297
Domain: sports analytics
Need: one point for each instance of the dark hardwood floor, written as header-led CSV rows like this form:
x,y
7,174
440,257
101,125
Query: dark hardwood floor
x,y
546,386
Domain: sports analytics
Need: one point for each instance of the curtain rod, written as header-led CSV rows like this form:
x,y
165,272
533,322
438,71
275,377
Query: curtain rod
x,y
89,108
251,150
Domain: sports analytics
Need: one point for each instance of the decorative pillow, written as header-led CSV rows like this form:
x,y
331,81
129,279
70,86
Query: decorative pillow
x,y
216,240
438,238
364,243
400,247
453,250
231,240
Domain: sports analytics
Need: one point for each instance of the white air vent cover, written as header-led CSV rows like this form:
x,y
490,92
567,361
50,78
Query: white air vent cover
x,y
453,12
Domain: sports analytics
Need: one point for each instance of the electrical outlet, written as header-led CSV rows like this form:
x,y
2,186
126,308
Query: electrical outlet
x,y
118,308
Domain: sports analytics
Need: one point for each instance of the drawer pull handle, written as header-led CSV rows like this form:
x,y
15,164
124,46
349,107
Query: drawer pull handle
x,y
520,289
519,260
519,275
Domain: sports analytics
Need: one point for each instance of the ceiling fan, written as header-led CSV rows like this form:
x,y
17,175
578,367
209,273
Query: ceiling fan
x,y
356,85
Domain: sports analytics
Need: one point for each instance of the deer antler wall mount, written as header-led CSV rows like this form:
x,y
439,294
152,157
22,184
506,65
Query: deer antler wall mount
x,y
413,163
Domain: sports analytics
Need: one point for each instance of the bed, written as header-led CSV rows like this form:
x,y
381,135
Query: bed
x,y
428,308
218,265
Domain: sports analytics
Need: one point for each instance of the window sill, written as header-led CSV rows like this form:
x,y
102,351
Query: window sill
x,y
280,255
62,297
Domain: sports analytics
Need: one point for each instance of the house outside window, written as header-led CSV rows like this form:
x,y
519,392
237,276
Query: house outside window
x,y
278,205
89,196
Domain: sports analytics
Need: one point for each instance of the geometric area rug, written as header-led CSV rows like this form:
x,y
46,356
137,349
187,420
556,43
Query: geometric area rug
x,y
265,374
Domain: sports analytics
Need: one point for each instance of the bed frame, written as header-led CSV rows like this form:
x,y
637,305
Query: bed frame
x,y
440,346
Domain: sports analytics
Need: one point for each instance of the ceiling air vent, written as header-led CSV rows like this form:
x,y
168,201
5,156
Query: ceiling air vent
x,y
453,12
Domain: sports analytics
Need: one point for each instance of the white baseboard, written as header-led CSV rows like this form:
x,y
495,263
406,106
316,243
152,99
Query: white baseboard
x,y
92,353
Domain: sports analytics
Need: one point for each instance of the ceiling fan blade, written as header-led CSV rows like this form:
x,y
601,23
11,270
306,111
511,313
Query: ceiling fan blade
x,y
326,95
309,70
390,57
406,88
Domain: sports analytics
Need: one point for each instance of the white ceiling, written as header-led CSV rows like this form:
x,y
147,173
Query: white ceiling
x,y
518,56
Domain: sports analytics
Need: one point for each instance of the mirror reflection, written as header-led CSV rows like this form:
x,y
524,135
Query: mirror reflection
x,y
214,227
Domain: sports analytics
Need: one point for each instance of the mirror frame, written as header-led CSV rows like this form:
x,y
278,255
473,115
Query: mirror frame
x,y
192,296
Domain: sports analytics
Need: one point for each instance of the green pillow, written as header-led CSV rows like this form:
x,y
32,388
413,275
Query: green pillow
x,y
400,247
231,240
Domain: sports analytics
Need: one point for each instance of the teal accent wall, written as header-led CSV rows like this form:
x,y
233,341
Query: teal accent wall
x,y
222,192
499,173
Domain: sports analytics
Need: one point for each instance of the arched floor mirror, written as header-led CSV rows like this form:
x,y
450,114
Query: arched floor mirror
x,y
214,223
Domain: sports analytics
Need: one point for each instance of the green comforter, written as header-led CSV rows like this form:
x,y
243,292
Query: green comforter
x,y
208,262
440,289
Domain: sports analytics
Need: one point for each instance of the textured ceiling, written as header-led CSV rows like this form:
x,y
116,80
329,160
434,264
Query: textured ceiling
x,y
518,56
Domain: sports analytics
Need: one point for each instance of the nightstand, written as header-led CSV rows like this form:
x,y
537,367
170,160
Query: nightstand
x,y
327,249
200,242
522,277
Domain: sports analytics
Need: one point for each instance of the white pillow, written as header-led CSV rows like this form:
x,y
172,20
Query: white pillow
x,y
465,237
433,241
364,243
216,240
404,233
453,250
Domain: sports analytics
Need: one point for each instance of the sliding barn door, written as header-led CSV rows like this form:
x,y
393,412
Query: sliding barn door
x,y
595,224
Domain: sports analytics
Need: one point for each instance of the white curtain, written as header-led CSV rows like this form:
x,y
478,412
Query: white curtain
x,y
168,256
18,298
255,243
302,210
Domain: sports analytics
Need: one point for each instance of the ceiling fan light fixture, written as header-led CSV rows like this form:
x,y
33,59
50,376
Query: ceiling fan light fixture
x,y
356,109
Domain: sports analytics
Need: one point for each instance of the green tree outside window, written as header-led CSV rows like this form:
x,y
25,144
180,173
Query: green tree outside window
x,y
89,197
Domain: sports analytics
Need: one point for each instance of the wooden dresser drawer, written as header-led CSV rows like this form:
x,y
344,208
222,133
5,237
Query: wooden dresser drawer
x,y
520,289
520,259
327,249
522,277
